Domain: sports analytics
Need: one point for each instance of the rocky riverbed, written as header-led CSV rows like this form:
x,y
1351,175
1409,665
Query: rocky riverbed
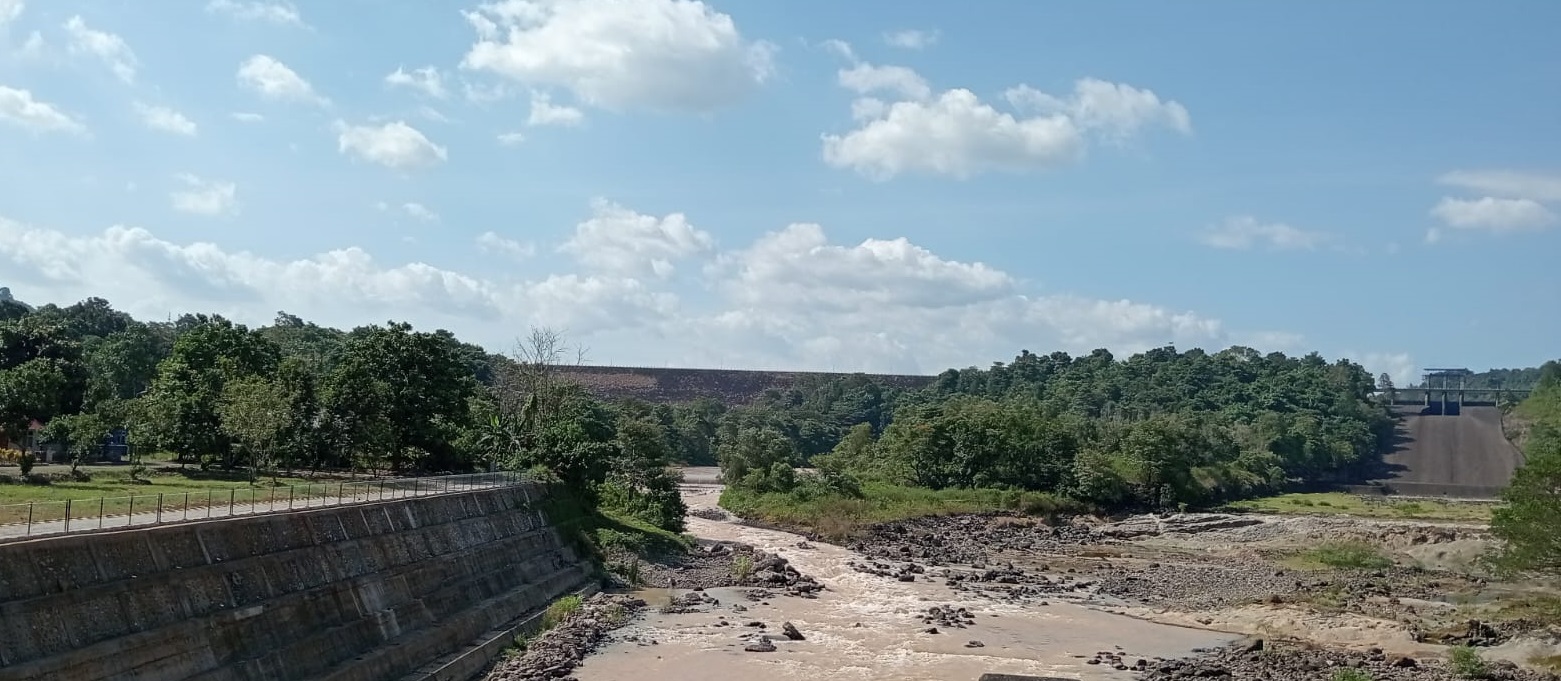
x,y
554,654
1256,659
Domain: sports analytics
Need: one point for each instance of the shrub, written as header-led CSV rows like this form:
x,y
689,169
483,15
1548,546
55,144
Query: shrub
x,y
1349,555
1467,663
742,567
26,462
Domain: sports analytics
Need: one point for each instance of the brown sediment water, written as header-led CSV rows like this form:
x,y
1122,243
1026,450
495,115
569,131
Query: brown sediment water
x,y
869,628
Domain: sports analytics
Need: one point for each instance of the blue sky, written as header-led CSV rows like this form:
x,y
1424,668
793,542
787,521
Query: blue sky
x,y
878,186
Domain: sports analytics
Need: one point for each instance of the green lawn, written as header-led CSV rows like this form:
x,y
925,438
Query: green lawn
x,y
181,492
1338,503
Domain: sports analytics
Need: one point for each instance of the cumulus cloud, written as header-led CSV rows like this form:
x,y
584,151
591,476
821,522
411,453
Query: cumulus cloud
x,y
271,12
1399,366
271,79
10,10
545,112
1117,110
510,139
395,145
1243,233
1493,214
911,39
956,134
425,80
620,241
867,78
165,119
666,55
204,197
247,117
491,242
108,47
792,298
19,108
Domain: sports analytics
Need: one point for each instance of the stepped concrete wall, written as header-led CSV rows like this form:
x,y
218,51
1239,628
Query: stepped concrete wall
x,y
355,593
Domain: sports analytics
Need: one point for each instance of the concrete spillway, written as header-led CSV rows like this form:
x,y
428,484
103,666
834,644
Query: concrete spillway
x,y
1464,453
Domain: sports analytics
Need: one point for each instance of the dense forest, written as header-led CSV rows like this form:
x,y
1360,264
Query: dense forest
x,y
1156,429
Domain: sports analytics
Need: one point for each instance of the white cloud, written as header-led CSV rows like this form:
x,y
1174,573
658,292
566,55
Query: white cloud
x,y
32,48
165,119
1399,366
426,80
667,55
247,117
954,134
1492,214
841,48
10,10
545,112
273,12
491,242
394,145
911,39
619,241
510,139
420,212
274,80
957,134
790,299
797,268
1244,233
1116,110
1507,183
204,197
866,78
18,107
105,46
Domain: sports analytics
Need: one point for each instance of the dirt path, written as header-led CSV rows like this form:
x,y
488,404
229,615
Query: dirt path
x,y
871,627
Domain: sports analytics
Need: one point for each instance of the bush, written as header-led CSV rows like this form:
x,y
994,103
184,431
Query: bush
x,y
1349,555
26,462
1467,663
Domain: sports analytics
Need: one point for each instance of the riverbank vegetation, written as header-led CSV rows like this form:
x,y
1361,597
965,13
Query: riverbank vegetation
x,y
1163,429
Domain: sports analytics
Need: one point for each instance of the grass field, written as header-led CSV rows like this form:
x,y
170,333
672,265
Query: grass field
x,y
181,491
1338,503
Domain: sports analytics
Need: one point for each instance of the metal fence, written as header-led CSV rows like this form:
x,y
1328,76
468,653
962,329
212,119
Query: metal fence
x,y
41,518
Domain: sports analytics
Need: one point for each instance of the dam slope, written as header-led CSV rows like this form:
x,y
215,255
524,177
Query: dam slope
x,y
1464,453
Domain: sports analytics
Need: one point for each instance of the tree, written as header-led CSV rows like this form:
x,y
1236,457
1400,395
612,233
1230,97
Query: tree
x,y
181,412
411,386
255,414
1527,522
759,460
639,481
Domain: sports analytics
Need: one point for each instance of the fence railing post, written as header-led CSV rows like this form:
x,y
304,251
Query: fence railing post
x,y
131,514
186,506
159,520
30,518
290,489
67,516
101,501
231,494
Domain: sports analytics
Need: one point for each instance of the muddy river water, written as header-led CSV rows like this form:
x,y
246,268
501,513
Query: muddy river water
x,y
868,627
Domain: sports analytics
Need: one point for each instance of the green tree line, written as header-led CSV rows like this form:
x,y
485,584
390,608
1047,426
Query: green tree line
x,y
379,399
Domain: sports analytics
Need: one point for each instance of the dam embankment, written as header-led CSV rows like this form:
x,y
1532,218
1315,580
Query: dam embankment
x,y
417,588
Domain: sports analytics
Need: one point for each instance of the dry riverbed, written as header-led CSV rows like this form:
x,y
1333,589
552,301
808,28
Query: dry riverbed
x,y
1170,597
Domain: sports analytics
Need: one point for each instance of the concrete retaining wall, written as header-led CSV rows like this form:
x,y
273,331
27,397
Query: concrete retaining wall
x,y
357,593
